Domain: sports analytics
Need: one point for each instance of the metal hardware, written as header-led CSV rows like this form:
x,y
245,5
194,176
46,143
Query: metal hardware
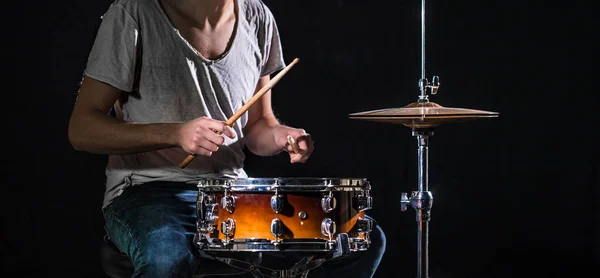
x,y
228,202
328,203
364,225
228,227
328,227
276,227
276,202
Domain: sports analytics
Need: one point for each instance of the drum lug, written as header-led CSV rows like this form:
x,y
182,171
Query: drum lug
x,y
276,203
363,202
328,227
228,202
228,227
207,212
364,225
328,203
276,227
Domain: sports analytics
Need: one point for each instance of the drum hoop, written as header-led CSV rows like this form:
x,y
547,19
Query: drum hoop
x,y
284,183
287,245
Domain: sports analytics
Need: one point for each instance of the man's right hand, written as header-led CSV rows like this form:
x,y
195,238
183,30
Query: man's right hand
x,y
199,136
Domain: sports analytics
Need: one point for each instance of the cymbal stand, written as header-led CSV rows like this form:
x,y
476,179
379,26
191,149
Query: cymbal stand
x,y
422,199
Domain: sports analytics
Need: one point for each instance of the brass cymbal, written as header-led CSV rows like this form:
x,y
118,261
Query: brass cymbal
x,y
422,115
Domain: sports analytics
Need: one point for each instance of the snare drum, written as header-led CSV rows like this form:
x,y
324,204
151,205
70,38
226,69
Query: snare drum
x,y
283,214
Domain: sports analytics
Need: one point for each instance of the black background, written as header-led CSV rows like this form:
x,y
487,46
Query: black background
x,y
515,196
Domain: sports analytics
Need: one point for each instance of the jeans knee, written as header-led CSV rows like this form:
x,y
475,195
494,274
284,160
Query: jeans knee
x,y
170,263
163,257
378,238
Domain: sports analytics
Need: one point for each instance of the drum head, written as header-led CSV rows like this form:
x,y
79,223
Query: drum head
x,y
284,184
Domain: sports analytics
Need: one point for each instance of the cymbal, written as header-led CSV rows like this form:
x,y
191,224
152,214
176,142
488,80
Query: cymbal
x,y
422,115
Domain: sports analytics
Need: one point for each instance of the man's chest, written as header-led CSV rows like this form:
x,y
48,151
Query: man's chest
x,y
210,44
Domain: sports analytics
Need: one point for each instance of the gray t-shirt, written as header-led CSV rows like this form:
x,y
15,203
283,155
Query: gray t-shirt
x,y
139,51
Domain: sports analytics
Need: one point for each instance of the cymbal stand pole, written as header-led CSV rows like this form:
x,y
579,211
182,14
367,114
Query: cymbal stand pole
x,y
423,81
424,84
421,201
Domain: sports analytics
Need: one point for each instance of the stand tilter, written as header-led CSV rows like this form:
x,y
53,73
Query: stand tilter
x,y
422,117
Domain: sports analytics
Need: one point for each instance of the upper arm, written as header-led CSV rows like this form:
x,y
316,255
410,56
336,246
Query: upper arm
x,y
261,108
95,96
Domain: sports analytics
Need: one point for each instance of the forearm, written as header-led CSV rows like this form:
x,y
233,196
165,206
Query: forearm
x,y
260,136
96,132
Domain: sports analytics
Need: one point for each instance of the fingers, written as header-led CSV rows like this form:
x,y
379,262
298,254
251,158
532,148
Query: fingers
x,y
204,136
203,147
209,145
220,127
303,142
229,132
203,151
211,141
212,137
301,149
217,128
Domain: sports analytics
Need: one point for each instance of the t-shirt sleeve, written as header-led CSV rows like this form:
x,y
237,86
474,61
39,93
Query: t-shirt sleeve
x,y
273,53
113,56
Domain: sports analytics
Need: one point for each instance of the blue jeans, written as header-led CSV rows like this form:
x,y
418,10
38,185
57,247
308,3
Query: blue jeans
x,y
155,224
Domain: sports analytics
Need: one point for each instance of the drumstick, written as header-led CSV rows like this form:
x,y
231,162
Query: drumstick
x,y
292,143
247,105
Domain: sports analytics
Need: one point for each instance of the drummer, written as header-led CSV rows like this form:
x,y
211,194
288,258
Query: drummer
x,y
150,96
